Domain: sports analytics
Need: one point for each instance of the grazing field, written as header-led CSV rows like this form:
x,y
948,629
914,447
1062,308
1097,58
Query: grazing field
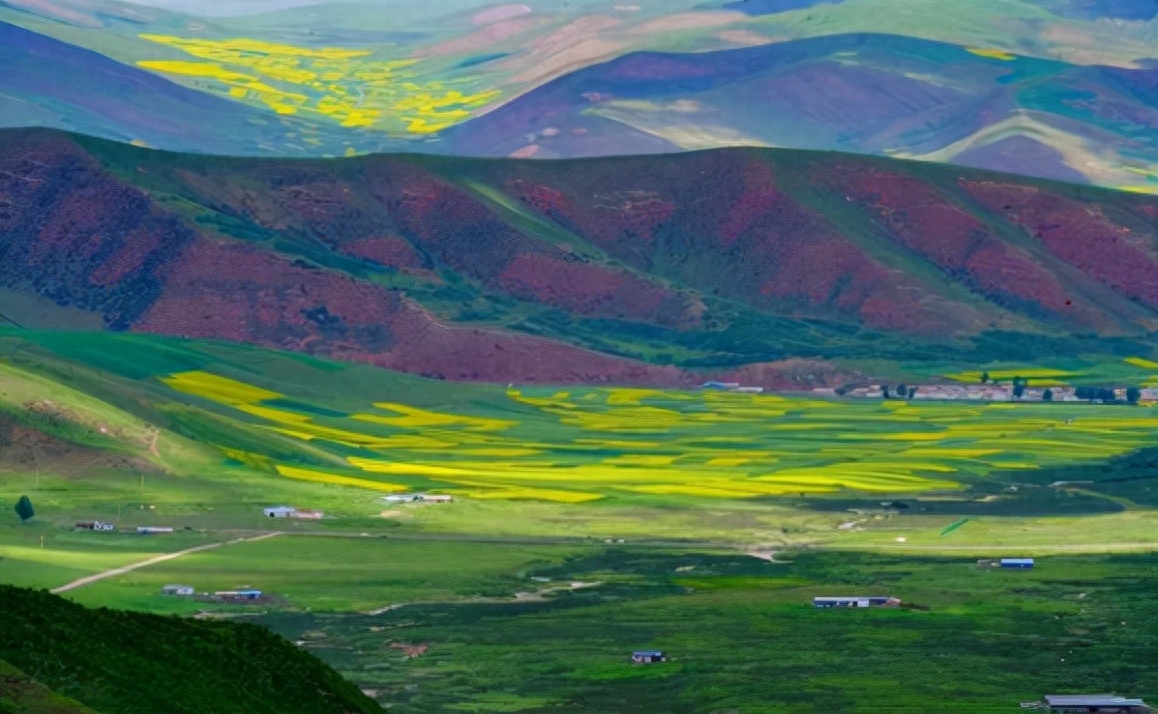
x,y
741,635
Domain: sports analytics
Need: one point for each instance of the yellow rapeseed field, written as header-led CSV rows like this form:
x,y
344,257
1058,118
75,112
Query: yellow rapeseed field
x,y
575,447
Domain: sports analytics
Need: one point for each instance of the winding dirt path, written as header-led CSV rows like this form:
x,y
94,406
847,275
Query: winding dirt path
x,y
89,579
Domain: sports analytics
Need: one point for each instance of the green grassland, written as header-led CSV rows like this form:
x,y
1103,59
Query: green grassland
x,y
650,499
741,635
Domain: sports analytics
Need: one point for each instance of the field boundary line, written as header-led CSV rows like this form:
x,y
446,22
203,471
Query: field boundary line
x,y
89,579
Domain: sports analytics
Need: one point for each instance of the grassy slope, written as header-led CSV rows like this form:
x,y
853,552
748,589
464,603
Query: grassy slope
x,y
21,694
120,662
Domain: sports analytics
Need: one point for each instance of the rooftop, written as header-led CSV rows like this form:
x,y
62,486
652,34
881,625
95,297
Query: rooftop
x,y
1092,700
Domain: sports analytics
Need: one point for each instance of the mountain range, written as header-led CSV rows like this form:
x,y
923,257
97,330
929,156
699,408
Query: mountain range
x,y
1061,89
649,270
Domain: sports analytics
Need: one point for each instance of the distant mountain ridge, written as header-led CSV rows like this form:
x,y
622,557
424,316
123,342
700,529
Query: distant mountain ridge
x,y
861,93
630,270
1065,89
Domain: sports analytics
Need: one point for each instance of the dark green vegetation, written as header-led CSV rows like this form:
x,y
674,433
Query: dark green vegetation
x,y
624,271
741,635
133,663
24,508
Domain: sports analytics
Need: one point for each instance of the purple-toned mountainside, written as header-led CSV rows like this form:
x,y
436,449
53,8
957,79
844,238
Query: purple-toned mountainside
x,y
632,270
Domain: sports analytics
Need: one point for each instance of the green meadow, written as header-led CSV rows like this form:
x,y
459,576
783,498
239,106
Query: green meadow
x,y
588,522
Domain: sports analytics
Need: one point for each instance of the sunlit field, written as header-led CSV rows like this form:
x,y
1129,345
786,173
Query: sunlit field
x,y
579,445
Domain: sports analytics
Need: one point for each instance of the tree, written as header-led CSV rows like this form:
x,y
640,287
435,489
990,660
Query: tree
x,y
1133,394
902,391
24,508
912,391
885,392
1018,387
1047,395
984,377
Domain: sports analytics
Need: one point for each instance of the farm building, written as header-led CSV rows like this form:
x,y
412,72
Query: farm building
x,y
279,511
177,590
307,515
648,657
1103,703
153,530
94,526
418,498
237,594
1017,562
856,601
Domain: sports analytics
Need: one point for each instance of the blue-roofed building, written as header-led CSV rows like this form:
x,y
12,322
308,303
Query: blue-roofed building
x,y
1017,562
237,594
1102,703
648,657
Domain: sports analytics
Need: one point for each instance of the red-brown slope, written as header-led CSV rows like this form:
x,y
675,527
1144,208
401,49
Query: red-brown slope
x,y
75,233
228,290
721,223
926,221
72,233
431,223
1081,235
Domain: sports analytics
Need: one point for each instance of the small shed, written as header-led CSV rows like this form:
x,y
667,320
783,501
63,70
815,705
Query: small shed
x,y
648,657
177,590
399,498
1017,562
1103,703
153,530
436,498
279,511
856,601
307,515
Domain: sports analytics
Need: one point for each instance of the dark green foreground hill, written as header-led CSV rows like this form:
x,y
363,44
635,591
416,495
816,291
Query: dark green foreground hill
x,y
131,663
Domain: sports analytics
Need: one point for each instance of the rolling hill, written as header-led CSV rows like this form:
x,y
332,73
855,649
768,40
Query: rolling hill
x,y
642,270
863,93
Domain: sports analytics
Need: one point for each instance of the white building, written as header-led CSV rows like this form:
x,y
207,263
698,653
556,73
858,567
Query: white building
x,y
279,511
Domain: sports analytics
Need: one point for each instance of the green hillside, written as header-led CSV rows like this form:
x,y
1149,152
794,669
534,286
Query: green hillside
x,y
21,694
131,663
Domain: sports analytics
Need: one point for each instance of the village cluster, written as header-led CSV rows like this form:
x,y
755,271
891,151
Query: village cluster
x,y
993,392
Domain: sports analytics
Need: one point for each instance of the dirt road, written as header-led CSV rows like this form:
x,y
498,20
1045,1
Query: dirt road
x,y
89,579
